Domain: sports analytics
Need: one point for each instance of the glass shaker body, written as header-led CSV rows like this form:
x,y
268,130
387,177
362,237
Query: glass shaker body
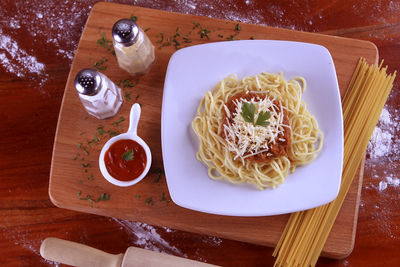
x,y
134,51
106,99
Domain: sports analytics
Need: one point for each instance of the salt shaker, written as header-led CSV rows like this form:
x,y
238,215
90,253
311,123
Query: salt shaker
x,y
134,50
98,94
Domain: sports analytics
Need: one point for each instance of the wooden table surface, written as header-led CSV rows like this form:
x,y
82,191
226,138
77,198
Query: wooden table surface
x,y
37,44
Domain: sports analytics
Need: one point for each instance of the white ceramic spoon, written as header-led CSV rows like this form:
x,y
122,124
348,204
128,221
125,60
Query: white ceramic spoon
x,y
132,135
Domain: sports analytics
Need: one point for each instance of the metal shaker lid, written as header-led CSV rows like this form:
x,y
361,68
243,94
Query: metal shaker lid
x,y
125,32
88,82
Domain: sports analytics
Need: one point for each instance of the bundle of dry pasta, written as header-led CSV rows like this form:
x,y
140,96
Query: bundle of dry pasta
x,y
306,232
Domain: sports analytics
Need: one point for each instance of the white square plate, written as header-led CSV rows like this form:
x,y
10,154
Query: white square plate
x,y
195,70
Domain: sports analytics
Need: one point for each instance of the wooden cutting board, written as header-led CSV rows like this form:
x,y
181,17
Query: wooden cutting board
x,y
75,179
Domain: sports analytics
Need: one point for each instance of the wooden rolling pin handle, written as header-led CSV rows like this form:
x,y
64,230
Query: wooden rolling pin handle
x,y
137,257
75,254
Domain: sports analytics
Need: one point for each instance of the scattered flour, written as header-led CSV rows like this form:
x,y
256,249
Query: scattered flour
x,y
36,21
381,143
192,5
147,237
394,182
382,185
14,23
382,140
16,60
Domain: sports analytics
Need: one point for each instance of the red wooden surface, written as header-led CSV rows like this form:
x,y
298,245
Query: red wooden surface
x,y
37,44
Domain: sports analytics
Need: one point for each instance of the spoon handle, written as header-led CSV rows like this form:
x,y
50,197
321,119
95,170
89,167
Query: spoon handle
x,y
134,118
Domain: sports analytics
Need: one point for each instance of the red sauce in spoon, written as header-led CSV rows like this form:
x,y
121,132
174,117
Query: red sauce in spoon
x,y
125,160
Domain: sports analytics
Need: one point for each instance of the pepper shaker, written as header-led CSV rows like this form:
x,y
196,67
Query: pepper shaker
x,y
134,50
98,94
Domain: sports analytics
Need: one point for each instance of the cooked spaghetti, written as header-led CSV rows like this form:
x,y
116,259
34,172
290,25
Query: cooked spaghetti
x,y
256,130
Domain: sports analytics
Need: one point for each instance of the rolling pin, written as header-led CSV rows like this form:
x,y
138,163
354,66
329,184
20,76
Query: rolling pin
x,y
75,254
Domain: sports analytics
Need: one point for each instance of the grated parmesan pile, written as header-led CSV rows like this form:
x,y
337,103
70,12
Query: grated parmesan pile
x,y
245,139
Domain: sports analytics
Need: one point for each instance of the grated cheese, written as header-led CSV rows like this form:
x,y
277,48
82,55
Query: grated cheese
x,y
228,113
246,138
258,82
